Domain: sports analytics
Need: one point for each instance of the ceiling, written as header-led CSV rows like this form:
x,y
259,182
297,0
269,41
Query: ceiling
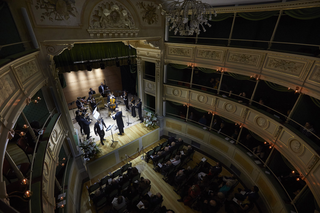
x,y
238,2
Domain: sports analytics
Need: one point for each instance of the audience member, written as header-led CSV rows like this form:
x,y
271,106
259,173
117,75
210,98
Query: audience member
x,y
252,194
176,161
210,206
308,129
118,202
203,120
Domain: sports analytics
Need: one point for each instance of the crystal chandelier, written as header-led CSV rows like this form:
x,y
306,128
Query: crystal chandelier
x,y
187,16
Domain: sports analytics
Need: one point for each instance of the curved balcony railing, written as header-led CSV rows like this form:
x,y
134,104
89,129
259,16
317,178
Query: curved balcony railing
x,y
264,109
281,189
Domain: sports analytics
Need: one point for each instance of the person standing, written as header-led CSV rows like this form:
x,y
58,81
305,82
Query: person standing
x,y
78,119
139,106
101,89
85,126
92,102
118,118
98,129
125,99
133,107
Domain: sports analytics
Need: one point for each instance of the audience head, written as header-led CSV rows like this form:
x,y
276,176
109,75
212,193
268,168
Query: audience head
x,y
134,171
217,164
180,172
308,125
255,189
166,149
159,195
220,195
248,136
189,147
147,181
173,143
177,157
213,203
90,89
229,183
101,84
222,125
180,139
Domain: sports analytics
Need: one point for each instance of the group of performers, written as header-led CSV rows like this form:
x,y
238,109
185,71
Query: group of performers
x,y
84,121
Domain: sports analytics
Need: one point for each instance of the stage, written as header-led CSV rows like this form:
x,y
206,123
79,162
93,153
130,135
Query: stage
x,y
135,138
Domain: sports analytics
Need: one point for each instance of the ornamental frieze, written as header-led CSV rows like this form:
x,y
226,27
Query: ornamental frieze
x,y
7,87
111,18
315,75
149,12
209,54
180,51
246,59
26,70
290,67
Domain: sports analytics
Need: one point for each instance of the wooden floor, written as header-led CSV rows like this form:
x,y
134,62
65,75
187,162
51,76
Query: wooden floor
x,y
157,184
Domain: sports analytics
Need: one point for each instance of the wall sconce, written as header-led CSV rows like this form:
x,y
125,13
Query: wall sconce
x,y
27,194
25,126
255,76
61,204
61,196
62,162
210,112
265,143
297,89
187,105
25,181
220,69
191,65
22,134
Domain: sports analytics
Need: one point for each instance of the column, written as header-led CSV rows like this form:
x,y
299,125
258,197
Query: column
x,y
159,82
140,71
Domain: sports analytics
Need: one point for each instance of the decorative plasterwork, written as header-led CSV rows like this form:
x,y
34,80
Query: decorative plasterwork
x,y
57,12
26,70
202,98
290,67
149,87
215,55
56,49
149,12
244,59
261,122
111,18
7,87
176,92
296,146
180,51
229,107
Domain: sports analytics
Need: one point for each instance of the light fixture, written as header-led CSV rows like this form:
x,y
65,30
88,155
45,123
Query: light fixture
x,y
25,181
188,16
27,194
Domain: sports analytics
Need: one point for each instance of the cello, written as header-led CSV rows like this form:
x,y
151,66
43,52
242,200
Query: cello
x,y
112,104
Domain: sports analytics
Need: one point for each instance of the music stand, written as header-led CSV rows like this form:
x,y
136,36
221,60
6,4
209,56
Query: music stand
x,y
110,128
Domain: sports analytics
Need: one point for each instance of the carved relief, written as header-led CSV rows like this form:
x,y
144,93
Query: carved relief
x,y
149,12
290,67
176,92
296,146
57,12
229,107
56,50
6,88
202,99
261,122
180,51
208,54
111,18
244,58
26,70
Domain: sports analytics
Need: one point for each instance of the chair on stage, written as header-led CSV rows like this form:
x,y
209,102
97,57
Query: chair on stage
x,y
97,95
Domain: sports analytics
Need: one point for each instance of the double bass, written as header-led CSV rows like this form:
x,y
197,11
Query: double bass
x,y
112,104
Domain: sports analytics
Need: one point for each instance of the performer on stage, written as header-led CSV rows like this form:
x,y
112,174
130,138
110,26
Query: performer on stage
x,y
101,89
125,99
118,118
80,105
91,91
98,129
78,119
139,106
92,102
133,108
85,126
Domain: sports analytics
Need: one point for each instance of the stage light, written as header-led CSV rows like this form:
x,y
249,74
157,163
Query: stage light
x,y
89,68
102,66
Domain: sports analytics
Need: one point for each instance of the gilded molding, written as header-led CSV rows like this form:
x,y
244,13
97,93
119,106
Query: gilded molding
x,y
180,51
287,66
7,87
241,58
149,12
269,7
57,49
210,54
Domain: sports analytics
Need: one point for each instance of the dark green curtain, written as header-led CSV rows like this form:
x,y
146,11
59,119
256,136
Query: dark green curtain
x,y
62,80
221,16
304,14
257,16
82,52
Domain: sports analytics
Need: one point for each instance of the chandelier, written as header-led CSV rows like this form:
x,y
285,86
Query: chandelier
x,y
187,16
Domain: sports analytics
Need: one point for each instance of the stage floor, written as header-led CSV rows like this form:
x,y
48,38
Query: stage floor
x,y
135,138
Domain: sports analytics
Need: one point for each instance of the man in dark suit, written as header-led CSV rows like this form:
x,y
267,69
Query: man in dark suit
x,y
125,99
118,118
98,129
91,91
79,103
101,89
78,119
139,106
85,126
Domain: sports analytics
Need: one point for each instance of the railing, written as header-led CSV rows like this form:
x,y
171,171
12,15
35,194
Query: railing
x,y
149,77
285,195
243,40
274,114
12,44
39,152
149,109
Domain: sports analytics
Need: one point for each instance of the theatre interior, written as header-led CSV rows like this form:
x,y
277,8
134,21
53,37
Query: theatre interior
x,y
160,106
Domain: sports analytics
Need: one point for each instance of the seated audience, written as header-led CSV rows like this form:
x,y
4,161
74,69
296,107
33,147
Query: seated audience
x,y
252,194
118,202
